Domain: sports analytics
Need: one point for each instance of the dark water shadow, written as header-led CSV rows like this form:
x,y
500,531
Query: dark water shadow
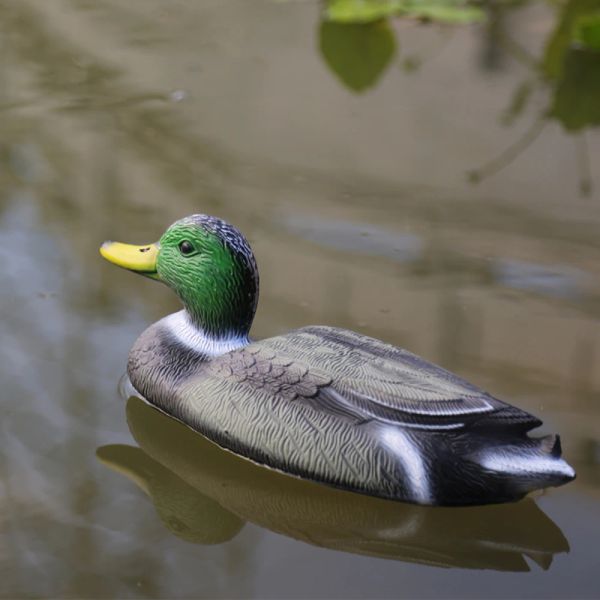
x,y
204,494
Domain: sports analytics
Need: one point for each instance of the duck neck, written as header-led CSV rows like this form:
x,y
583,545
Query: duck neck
x,y
221,307
187,332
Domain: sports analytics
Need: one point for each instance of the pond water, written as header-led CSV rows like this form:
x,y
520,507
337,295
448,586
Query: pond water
x,y
436,186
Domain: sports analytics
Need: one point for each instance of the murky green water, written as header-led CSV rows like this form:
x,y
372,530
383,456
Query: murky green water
x,y
354,182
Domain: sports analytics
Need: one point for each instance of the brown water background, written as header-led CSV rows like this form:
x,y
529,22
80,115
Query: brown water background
x,y
117,118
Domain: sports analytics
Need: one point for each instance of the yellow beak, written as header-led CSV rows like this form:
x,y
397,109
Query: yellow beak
x,y
140,259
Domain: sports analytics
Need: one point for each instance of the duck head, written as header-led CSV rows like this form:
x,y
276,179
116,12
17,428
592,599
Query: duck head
x,y
208,263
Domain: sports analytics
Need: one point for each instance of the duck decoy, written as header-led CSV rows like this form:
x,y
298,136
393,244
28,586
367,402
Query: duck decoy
x,y
321,403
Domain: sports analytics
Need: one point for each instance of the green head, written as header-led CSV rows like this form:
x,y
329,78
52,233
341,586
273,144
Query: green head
x,y
208,264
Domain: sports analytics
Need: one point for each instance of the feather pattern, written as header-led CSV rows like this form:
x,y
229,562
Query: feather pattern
x,y
362,377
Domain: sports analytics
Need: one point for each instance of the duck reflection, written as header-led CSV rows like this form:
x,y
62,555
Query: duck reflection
x,y
204,494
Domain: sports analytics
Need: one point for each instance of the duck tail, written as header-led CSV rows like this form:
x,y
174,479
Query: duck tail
x,y
531,464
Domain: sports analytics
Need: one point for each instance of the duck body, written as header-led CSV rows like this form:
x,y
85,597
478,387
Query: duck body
x,y
347,410
328,404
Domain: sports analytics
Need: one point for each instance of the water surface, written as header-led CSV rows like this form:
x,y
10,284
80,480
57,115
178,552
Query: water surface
x,y
446,201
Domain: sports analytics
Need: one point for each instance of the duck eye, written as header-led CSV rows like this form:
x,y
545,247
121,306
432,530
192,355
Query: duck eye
x,y
186,248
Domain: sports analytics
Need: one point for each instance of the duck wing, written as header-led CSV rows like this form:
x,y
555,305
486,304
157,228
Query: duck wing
x,y
364,379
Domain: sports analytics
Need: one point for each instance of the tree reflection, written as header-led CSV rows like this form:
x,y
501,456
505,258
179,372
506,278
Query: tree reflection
x,y
568,74
358,44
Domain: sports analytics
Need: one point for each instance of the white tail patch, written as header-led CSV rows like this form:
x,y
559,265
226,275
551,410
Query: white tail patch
x,y
524,464
412,463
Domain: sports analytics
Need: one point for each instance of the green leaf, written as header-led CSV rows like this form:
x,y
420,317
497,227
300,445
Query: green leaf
x,y
572,14
361,11
366,11
587,32
357,53
576,102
